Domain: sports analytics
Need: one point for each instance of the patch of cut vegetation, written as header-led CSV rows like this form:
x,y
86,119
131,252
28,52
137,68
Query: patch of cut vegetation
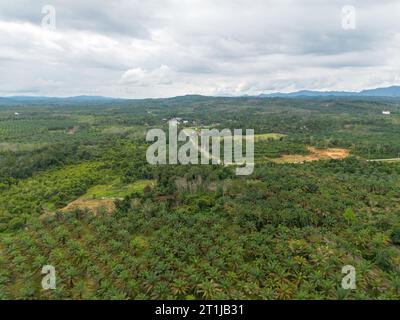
x,y
315,155
94,205
266,149
118,130
116,189
268,136
20,147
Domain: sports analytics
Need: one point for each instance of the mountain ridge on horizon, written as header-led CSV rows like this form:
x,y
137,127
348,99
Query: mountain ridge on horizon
x,y
391,91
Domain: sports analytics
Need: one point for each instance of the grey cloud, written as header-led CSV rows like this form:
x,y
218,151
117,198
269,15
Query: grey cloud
x,y
123,18
168,47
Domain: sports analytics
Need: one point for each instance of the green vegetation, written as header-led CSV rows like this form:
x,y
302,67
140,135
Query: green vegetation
x,y
116,189
200,232
269,136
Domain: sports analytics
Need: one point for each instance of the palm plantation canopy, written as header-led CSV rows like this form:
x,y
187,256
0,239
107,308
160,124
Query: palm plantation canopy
x,y
77,193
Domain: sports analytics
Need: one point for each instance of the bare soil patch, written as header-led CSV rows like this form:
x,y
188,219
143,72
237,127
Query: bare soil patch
x,y
315,155
92,205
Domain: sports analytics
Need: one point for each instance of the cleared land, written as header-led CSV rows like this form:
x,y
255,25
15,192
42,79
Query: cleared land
x,y
92,205
103,196
268,136
315,155
116,189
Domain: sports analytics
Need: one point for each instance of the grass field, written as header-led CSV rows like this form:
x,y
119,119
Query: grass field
x,y
116,189
268,136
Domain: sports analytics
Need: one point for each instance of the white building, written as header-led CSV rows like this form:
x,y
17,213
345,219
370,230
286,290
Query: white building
x,y
175,121
386,112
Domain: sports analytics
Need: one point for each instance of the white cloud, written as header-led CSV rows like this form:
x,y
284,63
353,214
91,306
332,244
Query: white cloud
x,y
163,48
146,78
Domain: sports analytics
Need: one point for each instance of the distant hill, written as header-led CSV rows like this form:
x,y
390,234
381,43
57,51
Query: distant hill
x,y
393,91
389,92
37,100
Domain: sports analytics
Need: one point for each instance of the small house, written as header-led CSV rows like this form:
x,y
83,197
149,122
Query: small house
x,y
175,121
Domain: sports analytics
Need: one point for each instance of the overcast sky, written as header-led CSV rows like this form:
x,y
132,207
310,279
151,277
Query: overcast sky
x,y
161,48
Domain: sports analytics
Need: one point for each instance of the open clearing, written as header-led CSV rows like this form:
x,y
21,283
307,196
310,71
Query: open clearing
x,y
116,189
92,205
257,137
103,196
315,155
268,136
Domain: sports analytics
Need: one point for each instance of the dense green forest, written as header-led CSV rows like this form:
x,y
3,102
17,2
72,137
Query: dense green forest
x,y
200,231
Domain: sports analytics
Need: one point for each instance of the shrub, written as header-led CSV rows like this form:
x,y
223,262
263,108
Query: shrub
x,y
395,235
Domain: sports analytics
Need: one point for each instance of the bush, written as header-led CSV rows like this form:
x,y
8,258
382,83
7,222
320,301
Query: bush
x,y
395,236
17,223
349,215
